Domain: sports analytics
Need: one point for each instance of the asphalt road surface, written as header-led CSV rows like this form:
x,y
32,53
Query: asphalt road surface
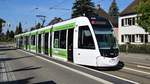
x,y
20,67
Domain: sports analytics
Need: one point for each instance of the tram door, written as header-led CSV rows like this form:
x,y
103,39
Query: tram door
x,y
46,36
39,43
70,45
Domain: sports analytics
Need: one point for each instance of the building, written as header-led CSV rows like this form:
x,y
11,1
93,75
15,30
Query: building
x,y
128,30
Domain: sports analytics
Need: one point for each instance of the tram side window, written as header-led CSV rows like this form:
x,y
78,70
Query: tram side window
x,y
60,39
85,40
56,39
33,40
63,39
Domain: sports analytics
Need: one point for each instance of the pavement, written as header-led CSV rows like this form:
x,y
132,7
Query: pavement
x,y
136,58
20,67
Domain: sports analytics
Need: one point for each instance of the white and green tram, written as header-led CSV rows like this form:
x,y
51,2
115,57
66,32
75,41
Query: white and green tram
x,y
80,40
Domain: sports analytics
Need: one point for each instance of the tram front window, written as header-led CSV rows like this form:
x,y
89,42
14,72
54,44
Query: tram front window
x,y
106,42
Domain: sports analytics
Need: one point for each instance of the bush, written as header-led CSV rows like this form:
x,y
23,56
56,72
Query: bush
x,y
144,48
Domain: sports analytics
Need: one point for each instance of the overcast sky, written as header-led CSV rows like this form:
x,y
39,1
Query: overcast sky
x,y
25,11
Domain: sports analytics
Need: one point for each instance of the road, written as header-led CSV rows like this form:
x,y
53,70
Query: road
x,y
20,67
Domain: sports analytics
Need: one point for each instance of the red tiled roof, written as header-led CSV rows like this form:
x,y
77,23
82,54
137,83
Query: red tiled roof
x,y
131,9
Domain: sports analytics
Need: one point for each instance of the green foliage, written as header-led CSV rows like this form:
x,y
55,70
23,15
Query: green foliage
x,y
18,29
145,48
143,10
113,10
83,8
9,37
1,24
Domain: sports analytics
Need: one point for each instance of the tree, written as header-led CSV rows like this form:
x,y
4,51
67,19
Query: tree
x,y
1,24
11,34
113,10
7,34
83,8
143,10
18,29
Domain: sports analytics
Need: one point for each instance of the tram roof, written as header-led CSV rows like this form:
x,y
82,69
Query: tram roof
x,y
68,24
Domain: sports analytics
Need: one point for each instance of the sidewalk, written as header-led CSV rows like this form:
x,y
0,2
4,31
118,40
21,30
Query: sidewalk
x,y
5,75
136,58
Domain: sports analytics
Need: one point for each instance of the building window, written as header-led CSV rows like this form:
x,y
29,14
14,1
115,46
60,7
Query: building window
x,y
129,38
129,21
122,22
141,38
122,38
133,21
146,38
133,38
126,22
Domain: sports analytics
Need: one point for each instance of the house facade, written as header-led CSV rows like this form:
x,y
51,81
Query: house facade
x,y
129,31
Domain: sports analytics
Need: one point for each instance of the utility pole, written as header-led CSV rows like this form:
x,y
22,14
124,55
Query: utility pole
x,y
42,17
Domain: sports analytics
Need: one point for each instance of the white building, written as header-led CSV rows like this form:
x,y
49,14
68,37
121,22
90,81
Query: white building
x,y
129,31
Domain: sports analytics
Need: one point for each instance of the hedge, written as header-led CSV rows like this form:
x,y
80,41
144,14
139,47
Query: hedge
x,y
142,48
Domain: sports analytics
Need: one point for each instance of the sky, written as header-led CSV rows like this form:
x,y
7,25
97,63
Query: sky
x,y
25,11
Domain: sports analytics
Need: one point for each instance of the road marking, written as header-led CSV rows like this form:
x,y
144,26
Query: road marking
x,y
74,70
145,67
11,74
143,64
4,73
147,73
111,75
90,76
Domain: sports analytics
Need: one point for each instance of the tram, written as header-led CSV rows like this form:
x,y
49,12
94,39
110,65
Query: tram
x,y
82,40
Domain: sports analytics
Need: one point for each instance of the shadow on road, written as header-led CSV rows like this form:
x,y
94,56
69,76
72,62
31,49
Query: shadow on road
x,y
9,58
115,68
25,69
46,82
6,49
21,81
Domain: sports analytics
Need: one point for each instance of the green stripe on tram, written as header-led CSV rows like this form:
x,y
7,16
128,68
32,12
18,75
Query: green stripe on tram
x,y
64,27
33,47
60,52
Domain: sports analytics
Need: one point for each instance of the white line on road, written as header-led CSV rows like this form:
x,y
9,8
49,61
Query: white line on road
x,y
11,74
4,74
147,73
143,64
145,67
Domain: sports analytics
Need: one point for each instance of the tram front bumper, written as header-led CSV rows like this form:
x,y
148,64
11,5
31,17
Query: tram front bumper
x,y
106,62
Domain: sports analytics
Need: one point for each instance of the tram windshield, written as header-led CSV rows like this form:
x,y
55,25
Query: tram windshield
x,y
105,38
